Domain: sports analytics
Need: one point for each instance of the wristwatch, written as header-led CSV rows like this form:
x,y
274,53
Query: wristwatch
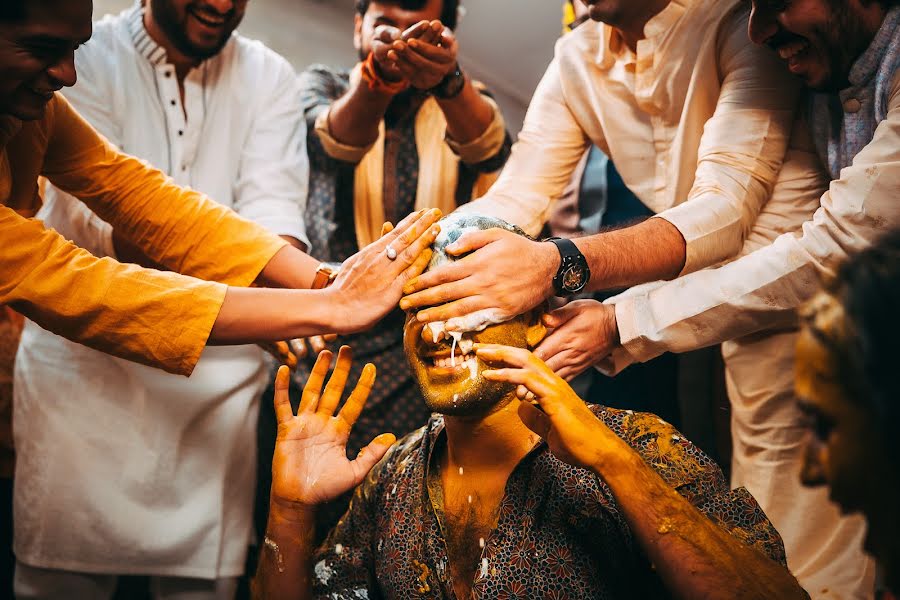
x,y
573,273
450,86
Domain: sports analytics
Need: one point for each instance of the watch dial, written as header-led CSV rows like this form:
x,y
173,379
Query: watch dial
x,y
573,279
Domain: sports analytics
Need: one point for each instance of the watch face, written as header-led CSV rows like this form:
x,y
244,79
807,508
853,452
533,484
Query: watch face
x,y
573,278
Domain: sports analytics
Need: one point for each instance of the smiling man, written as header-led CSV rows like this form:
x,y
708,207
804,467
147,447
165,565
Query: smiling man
x,y
476,505
173,84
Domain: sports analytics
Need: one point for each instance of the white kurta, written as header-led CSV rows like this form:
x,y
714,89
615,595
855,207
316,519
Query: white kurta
x,y
698,122
121,468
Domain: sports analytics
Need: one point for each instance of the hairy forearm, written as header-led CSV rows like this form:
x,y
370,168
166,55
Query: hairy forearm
x,y
696,559
284,569
648,251
253,315
468,114
290,268
355,116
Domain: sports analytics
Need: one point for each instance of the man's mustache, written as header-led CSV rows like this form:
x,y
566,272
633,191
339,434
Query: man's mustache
x,y
205,9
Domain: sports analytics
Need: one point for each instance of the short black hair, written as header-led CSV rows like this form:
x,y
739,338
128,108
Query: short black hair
x,y
12,11
448,13
867,287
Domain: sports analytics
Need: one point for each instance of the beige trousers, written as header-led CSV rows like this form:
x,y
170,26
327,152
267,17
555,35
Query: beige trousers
x,y
824,549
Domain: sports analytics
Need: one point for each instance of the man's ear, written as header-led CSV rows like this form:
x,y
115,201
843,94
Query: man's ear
x,y
357,32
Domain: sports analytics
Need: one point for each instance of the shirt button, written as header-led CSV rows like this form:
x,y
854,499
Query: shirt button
x,y
173,103
180,132
851,105
167,74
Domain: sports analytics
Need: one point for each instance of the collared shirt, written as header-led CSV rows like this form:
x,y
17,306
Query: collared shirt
x,y
698,122
237,135
763,289
173,450
558,534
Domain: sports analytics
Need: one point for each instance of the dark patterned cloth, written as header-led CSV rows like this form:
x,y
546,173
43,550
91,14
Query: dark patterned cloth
x,y
559,532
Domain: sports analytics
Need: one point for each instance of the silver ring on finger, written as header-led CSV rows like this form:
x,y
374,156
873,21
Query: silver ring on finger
x,y
391,253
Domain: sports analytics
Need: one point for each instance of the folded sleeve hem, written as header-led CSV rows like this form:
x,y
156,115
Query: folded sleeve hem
x,y
335,149
485,146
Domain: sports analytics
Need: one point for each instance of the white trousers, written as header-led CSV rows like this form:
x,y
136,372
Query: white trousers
x,y
824,549
33,583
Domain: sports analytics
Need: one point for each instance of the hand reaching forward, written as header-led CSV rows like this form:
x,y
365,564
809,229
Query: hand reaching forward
x,y
581,333
505,272
573,433
370,283
310,464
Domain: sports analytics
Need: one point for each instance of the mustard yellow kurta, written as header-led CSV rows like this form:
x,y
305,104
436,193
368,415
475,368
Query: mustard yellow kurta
x,y
156,318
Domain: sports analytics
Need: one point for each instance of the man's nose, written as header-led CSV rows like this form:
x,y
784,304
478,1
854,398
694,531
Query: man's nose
x,y
221,6
812,473
63,72
762,25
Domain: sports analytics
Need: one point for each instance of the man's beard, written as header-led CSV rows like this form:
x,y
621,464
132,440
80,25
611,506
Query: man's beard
x,y
846,40
167,19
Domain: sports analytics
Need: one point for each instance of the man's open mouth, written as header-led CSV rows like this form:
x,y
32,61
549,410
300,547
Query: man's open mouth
x,y
457,361
792,49
209,19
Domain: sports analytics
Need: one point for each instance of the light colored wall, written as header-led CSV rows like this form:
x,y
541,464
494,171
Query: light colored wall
x,y
505,43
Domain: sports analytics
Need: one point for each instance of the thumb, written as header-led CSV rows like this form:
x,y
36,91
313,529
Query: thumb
x,y
473,240
369,456
560,316
534,419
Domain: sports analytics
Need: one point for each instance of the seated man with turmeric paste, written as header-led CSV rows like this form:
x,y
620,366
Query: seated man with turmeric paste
x,y
494,498
160,319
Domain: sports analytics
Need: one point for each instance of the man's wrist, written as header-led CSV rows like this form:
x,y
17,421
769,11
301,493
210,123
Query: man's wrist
x,y
614,458
290,512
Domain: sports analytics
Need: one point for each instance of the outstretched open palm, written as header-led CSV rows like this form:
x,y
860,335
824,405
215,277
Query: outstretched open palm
x,y
310,464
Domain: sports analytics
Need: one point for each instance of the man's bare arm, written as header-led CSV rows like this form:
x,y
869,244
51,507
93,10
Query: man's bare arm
x,y
284,569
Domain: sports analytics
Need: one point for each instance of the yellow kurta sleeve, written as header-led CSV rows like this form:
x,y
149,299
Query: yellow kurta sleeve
x,y
156,318
176,227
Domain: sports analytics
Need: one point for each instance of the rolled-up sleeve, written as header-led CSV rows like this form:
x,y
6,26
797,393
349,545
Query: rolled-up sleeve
x,y
155,318
763,289
741,151
549,147
273,176
176,227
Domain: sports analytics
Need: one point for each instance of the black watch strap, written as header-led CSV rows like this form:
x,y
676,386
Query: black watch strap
x,y
450,86
573,273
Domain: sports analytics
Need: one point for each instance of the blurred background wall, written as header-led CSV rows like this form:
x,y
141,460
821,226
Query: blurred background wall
x,y
505,43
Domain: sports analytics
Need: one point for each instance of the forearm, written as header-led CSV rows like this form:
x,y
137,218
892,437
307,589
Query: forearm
x,y
468,114
354,118
695,558
252,315
290,268
285,562
649,251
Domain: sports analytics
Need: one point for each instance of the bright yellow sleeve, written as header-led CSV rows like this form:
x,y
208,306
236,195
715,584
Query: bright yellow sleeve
x,y
176,227
156,318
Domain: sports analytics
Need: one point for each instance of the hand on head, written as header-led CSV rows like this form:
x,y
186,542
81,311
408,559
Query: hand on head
x,y
582,333
310,464
370,283
505,271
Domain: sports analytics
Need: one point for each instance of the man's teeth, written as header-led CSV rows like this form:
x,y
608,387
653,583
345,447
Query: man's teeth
x,y
790,50
462,361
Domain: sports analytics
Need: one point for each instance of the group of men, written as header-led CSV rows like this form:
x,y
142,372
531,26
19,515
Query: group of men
x,y
762,177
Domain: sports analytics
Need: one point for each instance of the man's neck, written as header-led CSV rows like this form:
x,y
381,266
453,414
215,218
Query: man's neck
x,y
633,31
182,63
496,442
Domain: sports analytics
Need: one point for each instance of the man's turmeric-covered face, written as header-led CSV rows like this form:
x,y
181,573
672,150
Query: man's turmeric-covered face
x,y
444,363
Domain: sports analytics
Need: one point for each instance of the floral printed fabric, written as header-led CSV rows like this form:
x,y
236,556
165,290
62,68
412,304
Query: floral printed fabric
x,y
559,532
